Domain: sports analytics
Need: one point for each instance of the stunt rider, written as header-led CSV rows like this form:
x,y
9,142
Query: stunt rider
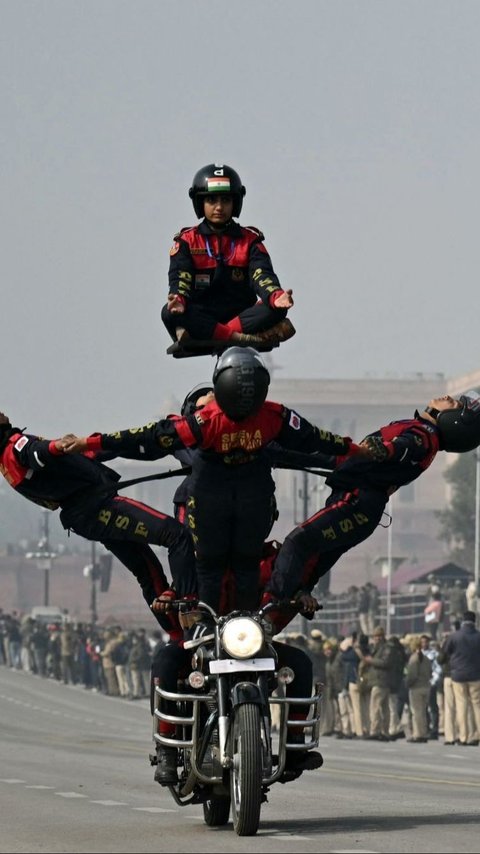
x,y
231,487
85,491
222,286
400,452
172,662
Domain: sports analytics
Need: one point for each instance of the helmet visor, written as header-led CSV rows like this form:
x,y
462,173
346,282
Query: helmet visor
x,y
471,404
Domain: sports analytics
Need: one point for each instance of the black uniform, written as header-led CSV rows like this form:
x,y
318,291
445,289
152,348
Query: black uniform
x,y
231,489
360,491
85,491
221,277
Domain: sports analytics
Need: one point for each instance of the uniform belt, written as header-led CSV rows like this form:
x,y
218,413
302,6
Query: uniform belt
x,y
233,460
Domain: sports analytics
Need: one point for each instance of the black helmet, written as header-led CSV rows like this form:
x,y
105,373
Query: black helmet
x,y
6,430
189,405
460,428
240,382
216,178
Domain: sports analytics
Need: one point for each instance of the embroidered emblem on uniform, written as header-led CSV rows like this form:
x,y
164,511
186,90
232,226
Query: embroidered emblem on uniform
x,y
294,421
202,281
175,248
237,274
20,443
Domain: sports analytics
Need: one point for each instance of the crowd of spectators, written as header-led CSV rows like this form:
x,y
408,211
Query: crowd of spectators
x,y
421,687
107,659
385,688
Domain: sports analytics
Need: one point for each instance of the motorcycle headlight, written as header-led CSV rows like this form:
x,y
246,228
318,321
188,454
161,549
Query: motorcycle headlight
x,y
242,637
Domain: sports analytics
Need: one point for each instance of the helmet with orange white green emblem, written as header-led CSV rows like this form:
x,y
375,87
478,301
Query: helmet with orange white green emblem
x,y
216,178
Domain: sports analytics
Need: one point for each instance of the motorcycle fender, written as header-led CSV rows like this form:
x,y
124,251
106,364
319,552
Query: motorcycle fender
x,y
246,692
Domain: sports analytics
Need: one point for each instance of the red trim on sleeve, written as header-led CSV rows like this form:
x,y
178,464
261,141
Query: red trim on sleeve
x,y
94,443
53,450
353,450
273,297
184,432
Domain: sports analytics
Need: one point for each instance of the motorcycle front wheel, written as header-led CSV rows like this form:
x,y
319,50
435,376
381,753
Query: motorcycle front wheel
x,y
246,771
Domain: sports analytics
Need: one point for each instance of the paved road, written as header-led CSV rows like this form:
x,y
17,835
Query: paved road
x,y
74,777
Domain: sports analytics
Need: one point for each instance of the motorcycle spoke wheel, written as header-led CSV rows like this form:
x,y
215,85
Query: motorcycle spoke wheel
x,y
246,771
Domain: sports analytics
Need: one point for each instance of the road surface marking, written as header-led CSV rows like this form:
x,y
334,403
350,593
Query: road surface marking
x,y
70,795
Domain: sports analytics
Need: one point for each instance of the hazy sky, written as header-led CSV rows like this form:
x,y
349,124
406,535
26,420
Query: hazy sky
x,y
355,127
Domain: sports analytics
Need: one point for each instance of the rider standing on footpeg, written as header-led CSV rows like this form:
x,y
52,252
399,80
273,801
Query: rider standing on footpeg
x,y
230,503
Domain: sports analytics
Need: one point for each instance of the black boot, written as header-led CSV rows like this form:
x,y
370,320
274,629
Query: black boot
x,y
299,761
166,770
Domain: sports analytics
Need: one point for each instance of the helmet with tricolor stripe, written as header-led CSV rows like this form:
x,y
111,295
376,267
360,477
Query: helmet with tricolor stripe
x,y
216,178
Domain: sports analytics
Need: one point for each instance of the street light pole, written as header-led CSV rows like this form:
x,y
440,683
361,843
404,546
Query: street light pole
x,y
93,594
48,566
44,557
389,567
306,501
477,521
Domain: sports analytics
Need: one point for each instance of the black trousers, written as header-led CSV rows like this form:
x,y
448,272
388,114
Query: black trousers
x,y
128,528
311,549
200,321
229,523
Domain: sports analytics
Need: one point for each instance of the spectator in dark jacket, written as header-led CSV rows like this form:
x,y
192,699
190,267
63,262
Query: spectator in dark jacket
x,y
396,685
463,649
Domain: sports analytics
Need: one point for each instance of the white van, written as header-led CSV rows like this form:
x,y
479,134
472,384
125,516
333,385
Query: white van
x,y
47,614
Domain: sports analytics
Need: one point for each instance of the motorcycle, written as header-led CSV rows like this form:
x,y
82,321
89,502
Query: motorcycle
x,y
223,719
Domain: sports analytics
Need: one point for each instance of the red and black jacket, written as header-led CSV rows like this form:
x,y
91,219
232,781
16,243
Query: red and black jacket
x,y
228,272
411,444
221,439
35,469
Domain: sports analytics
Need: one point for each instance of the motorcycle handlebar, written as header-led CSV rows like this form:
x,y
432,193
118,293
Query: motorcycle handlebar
x,y
283,604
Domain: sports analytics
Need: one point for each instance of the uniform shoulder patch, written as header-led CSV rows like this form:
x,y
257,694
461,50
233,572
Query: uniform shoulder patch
x,y
294,420
255,231
20,443
178,234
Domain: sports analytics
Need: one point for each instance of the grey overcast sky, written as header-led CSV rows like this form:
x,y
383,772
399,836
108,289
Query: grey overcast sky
x,y
355,126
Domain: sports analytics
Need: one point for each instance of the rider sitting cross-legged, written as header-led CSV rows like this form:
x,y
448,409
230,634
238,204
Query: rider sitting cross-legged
x,y
222,286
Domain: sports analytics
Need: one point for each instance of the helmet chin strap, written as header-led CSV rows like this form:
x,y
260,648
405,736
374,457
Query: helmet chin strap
x,y
430,410
219,229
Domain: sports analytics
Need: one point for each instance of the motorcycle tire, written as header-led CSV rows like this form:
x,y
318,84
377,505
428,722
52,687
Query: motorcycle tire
x,y
216,812
246,772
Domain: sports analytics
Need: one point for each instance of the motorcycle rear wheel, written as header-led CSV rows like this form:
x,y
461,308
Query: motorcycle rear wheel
x,y
246,772
216,812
